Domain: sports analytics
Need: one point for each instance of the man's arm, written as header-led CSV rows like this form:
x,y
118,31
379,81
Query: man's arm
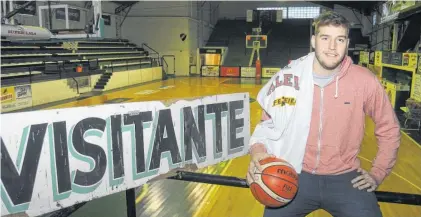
x,y
387,130
258,139
258,148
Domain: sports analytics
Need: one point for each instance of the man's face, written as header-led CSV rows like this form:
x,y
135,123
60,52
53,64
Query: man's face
x,y
331,46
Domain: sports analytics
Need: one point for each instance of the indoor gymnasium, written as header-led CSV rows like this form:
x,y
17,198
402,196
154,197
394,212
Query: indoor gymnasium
x,y
210,108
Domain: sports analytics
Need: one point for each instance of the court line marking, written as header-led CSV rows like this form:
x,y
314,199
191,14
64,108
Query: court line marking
x,y
205,85
145,189
410,138
211,193
399,176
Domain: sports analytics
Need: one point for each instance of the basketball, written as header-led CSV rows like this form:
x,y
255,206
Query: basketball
x,y
277,185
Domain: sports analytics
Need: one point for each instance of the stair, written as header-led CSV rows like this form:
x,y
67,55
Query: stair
x,y
103,80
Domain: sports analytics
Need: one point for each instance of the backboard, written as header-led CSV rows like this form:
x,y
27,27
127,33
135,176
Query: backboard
x,y
256,41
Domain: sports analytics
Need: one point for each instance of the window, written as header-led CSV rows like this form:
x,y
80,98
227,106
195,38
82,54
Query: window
x,y
303,12
284,10
374,18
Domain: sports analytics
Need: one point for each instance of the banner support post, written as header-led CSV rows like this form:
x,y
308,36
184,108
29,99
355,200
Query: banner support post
x,y
131,202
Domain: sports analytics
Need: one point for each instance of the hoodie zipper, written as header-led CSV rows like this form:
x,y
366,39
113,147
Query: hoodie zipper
x,y
320,129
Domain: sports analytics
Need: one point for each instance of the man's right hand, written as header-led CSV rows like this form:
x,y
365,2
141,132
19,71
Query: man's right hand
x,y
257,153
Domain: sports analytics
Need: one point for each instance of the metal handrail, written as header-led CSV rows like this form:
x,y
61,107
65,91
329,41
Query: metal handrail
x,y
173,56
166,64
382,196
156,52
77,84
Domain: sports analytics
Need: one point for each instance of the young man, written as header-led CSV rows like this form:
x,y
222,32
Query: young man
x,y
318,127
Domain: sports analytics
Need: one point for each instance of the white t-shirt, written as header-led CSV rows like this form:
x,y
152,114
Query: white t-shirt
x,y
322,80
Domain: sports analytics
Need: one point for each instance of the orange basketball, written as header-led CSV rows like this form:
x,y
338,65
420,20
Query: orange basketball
x,y
277,185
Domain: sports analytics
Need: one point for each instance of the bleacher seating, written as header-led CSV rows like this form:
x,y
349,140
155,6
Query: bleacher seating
x,y
29,61
287,40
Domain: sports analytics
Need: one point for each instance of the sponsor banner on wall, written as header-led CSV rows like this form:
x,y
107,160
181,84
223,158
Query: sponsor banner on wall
x,y
227,71
417,87
210,71
248,72
269,72
16,97
7,94
74,14
53,159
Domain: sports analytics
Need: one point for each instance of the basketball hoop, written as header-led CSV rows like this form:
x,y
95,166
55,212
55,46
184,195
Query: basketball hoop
x,y
255,42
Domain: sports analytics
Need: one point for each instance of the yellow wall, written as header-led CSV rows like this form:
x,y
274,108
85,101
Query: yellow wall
x,y
94,79
51,91
132,77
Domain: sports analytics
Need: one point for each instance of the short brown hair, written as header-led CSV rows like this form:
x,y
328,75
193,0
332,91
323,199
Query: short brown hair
x,y
330,18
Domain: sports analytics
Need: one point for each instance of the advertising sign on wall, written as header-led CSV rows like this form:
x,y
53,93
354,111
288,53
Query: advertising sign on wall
x,y
248,72
16,97
210,71
416,89
269,72
227,71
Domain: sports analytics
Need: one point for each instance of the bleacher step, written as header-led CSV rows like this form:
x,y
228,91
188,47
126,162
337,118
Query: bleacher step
x,y
102,82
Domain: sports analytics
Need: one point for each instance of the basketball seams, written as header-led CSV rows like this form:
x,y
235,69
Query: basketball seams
x,y
271,193
254,191
277,163
268,168
278,178
261,195
264,185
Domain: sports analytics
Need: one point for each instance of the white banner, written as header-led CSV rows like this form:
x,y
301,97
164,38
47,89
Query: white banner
x,y
210,71
53,159
248,72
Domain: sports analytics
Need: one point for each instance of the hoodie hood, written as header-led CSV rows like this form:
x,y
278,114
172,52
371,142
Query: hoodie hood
x,y
346,63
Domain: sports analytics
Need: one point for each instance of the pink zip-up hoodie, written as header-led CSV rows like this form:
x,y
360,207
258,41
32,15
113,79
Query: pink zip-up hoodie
x,y
338,121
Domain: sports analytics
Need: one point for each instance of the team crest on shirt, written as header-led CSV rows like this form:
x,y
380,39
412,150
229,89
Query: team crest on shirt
x,y
283,101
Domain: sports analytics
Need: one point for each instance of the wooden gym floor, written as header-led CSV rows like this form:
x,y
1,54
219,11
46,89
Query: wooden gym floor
x,y
177,198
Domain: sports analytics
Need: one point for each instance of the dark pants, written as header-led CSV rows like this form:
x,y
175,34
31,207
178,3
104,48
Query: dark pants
x,y
333,193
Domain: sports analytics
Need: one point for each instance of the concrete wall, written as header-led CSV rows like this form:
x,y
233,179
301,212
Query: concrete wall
x,y
160,25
